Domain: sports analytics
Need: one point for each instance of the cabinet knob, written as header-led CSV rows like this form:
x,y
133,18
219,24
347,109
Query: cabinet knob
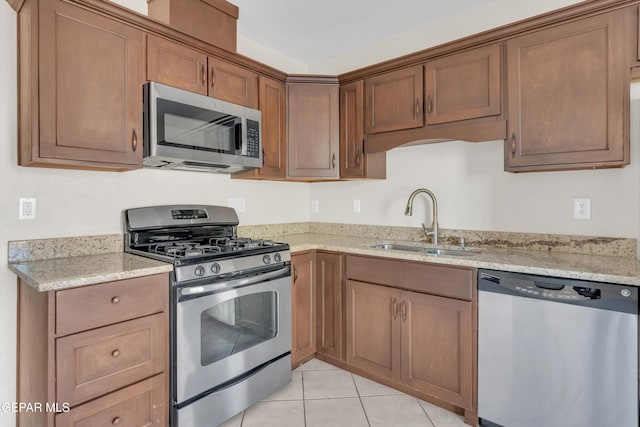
x,y
134,140
115,421
115,353
115,300
513,144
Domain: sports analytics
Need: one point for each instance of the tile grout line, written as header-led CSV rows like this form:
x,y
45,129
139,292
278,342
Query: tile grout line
x,y
360,399
433,424
304,403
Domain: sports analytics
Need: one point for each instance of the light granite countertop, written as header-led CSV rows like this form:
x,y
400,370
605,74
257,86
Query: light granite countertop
x,y
59,263
60,273
600,268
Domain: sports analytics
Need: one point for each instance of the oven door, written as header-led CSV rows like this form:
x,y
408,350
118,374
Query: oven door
x,y
223,334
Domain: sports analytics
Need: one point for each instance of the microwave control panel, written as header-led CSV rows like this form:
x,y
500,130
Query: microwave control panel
x,y
253,138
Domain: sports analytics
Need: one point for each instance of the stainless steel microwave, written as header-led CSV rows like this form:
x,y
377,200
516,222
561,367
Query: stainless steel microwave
x,y
188,131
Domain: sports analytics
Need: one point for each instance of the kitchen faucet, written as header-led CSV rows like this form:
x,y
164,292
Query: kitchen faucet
x,y
433,231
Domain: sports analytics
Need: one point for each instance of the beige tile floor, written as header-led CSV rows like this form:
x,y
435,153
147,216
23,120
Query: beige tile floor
x,y
321,395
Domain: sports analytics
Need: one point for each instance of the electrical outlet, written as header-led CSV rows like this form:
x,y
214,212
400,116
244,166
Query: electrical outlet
x,y
356,206
27,208
581,208
315,206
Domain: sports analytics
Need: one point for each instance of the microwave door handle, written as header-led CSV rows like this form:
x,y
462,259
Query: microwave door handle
x,y
238,137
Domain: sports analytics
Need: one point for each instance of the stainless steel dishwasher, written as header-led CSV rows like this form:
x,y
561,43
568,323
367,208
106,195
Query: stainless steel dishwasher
x,y
556,352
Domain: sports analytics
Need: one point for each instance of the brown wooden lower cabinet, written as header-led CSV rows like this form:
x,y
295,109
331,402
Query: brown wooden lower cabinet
x,y
329,304
423,341
303,310
99,352
373,328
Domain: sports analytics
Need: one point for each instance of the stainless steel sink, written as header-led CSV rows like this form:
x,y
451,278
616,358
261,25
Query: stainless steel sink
x,y
427,251
396,247
454,252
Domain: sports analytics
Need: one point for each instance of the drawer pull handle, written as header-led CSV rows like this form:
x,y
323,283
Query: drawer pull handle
x,y
513,144
394,308
115,353
115,421
358,159
115,300
404,311
333,161
204,75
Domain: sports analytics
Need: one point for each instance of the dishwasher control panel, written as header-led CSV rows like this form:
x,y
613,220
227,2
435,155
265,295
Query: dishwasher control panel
x,y
570,291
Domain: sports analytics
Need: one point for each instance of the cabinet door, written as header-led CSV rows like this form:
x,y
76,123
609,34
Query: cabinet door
x,y
329,290
303,310
273,104
352,130
313,132
394,101
373,328
464,86
437,347
90,83
232,83
568,89
176,65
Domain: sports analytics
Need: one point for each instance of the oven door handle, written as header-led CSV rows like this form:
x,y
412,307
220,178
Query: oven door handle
x,y
197,290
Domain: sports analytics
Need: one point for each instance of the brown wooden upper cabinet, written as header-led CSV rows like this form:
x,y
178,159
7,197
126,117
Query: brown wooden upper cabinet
x,y
394,100
354,163
464,86
568,89
233,83
273,105
313,130
87,71
177,65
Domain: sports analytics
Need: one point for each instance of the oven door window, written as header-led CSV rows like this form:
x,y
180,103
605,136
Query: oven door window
x,y
186,126
235,325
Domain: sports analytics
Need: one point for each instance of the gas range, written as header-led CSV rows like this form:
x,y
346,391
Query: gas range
x,y
201,241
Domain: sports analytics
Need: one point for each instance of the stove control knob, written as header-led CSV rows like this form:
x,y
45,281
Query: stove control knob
x,y
277,257
266,259
199,271
215,268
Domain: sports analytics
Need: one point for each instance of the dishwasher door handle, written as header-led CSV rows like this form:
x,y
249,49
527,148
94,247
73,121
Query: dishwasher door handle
x,y
549,286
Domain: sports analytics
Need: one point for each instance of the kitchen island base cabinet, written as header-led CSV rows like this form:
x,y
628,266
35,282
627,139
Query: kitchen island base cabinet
x,y
114,372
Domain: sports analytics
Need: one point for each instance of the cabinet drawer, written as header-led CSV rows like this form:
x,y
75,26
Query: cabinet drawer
x,y
140,405
374,270
93,363
90,307
438,280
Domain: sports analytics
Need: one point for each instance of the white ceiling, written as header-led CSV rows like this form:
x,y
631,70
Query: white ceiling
x,y
310,31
